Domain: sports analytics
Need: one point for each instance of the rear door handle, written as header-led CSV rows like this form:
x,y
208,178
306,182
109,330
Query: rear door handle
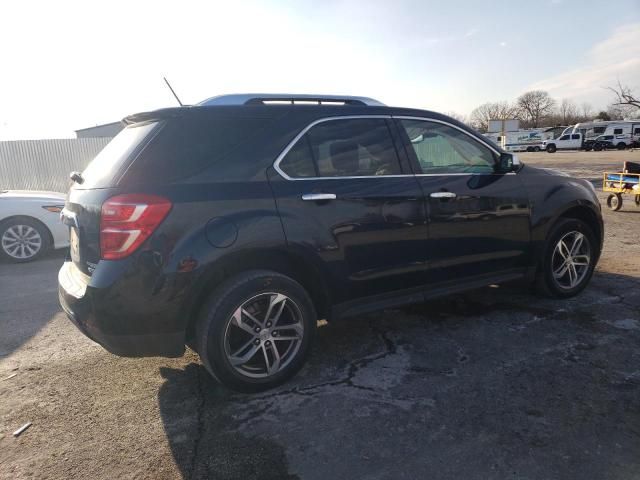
x,y
442,195
315,197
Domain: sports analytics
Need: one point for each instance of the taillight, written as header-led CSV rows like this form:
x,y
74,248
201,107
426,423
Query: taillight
x,y
127,221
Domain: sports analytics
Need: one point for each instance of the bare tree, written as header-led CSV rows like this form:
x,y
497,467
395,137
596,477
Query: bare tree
x,y
618,111
586,110
492,111
568,111
535,105
625,96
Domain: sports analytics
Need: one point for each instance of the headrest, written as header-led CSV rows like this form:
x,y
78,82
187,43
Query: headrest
x,y
345,157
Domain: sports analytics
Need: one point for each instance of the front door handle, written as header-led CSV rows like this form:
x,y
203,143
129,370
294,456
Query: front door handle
x,y
442,195
315,197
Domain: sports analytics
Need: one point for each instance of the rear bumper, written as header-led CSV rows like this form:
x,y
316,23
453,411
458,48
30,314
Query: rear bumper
x,y
84,305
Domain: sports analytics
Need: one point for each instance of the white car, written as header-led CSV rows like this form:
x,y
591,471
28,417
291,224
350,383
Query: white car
x,y
30,224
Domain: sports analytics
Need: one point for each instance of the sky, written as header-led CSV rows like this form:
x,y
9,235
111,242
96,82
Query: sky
x,y
69,65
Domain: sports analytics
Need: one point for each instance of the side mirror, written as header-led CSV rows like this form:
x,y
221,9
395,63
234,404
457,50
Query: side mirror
x,y
509,162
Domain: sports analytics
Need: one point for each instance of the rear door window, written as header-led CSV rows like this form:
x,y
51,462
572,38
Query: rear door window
x,y
105,169
359,147
575,136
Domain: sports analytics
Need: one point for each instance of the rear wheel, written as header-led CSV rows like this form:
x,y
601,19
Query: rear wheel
x,y
614,201
255,331
637,199
22,239
569,259
621,146
551,148
536,149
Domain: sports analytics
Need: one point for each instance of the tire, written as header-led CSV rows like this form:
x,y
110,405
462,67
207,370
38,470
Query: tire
x,y
637,200
621,146
23,239
234,321
597,148
614,201
536,149
551,148
547,283
529,149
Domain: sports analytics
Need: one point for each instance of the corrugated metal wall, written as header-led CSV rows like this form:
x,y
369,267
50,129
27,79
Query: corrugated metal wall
x,y
45,164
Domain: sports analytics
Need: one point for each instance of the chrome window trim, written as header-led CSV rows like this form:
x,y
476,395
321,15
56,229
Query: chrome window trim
x,y
276,163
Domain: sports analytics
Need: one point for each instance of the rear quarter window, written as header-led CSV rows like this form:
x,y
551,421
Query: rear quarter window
x,y
105,169
186,146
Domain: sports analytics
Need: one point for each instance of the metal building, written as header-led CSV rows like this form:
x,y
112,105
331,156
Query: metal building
x,y
100,131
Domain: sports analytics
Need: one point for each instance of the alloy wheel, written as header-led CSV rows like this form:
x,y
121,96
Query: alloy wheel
x,y
21,242
571,260
263,335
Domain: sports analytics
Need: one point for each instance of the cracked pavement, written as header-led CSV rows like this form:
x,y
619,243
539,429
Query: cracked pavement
x,y
495,383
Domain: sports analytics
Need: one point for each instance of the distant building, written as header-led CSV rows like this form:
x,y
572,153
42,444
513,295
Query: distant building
x,y
100,131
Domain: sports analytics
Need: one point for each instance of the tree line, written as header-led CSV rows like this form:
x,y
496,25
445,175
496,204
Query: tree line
x,y
537,108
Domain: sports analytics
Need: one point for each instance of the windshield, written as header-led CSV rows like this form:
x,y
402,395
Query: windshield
x,y
103,169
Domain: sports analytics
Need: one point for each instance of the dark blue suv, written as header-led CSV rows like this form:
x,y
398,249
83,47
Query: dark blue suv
x,y
234,225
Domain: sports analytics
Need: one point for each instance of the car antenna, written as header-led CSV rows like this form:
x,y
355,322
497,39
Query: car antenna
x,y
174,93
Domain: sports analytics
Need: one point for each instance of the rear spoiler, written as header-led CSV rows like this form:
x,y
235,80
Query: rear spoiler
x,y
161,114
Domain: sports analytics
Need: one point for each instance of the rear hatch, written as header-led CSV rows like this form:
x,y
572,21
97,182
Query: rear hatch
x,y
99,182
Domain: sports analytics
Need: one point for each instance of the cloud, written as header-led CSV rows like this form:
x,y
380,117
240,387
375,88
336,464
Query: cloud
x,y
503,44
617,57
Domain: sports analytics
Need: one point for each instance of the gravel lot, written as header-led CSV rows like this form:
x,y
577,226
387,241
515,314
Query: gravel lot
x,y
496,383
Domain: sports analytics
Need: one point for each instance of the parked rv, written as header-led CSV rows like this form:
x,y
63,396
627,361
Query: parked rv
x,y
523,140
625,132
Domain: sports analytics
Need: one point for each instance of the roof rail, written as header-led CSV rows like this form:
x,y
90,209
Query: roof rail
x,y
288,98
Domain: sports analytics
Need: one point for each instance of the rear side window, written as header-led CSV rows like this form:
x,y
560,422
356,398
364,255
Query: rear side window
x,y
186,146
575,136
105,169
617,131
343,148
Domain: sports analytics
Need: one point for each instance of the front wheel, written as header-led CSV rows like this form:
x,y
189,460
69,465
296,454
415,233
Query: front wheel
x,y
255,331
569,259
622,146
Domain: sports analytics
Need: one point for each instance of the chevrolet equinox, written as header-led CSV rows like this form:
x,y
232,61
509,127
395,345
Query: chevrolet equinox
x,y
233,225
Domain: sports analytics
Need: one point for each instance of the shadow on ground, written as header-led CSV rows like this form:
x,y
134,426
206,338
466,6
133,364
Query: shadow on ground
x,y
26,307
492,384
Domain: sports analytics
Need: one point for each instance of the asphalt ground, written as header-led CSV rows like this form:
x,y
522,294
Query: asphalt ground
x,y
493,384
